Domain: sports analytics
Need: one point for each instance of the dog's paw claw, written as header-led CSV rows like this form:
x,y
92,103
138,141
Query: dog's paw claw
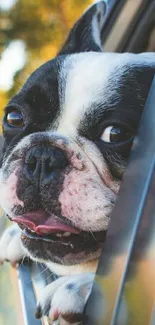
x,y
42,310
64,299
38,312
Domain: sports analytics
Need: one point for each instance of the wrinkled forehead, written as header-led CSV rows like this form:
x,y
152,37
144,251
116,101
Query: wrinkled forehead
x,y
73,87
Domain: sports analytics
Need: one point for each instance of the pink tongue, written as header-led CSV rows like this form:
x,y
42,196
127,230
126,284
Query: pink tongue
x,y
41,223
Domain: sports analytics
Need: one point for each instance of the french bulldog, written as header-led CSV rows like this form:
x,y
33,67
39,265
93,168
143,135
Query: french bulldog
x,y
67,138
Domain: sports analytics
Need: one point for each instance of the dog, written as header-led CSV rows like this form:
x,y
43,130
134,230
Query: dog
x,y
67,139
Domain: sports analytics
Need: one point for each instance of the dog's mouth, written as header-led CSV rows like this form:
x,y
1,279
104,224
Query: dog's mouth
x,y
42,224
53,239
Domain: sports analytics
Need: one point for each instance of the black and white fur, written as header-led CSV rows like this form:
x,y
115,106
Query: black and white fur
x,y
71,103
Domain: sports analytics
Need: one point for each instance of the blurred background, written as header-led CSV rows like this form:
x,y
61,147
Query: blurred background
x,y
31,32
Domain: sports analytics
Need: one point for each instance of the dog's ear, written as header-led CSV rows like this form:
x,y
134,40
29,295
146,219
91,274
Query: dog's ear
x,y
85,35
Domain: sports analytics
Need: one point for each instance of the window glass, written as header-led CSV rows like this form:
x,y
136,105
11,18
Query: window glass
x,y
121,25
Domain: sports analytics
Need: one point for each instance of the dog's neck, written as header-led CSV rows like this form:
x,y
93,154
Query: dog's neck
x,y
62,270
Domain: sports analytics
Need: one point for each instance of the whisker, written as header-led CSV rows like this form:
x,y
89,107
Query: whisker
x,y
42,272
22,261
48,276
93,235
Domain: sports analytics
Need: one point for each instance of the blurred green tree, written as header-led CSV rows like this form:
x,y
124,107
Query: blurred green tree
x,y
43,26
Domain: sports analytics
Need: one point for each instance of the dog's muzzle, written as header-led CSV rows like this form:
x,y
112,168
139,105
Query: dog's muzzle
x,y
55,192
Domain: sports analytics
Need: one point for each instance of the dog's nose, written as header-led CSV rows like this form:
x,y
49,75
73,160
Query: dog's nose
x,y
42,163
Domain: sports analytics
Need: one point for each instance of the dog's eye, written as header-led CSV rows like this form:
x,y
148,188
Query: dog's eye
x,y
115,134
15,119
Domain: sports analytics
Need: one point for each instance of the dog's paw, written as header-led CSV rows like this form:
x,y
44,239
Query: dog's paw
x,y
63,300
10,245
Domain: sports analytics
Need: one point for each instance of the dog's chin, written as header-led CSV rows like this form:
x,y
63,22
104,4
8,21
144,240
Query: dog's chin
x,y
63,248
67,249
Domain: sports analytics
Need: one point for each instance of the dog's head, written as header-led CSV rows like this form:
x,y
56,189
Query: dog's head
x,y
68,134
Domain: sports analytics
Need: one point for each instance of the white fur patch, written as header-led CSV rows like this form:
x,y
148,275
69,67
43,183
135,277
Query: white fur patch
x,y
10,245
84,267
8,195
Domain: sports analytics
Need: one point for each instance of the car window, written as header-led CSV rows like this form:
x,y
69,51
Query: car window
x,y
121,25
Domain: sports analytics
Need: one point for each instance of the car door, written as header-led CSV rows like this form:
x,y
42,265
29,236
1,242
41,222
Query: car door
x,y
124,291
